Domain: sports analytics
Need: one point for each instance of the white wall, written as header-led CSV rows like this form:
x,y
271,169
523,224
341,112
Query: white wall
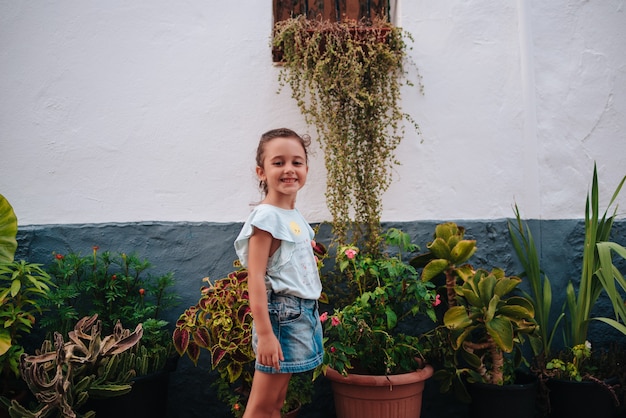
x,y
151,110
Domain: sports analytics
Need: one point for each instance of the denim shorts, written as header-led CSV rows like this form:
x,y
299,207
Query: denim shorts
x,y
296,324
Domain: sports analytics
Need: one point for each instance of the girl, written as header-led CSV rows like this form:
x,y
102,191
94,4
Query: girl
x,y
275,244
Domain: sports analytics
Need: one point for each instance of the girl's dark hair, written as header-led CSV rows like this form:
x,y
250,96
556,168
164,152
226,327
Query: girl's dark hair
x,y
305,141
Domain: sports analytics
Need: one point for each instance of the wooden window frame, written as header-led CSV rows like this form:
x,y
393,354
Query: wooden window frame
x,y
334,10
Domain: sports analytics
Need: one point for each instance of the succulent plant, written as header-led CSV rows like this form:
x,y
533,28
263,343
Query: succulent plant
x,y
447,254
62,375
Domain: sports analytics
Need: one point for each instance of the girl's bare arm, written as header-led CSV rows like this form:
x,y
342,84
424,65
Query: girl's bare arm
x,y
269,352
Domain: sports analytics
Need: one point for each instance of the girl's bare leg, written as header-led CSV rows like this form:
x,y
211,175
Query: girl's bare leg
x,y
267,395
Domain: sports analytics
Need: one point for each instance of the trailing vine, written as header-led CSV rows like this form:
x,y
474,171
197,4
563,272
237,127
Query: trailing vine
x,y
346,78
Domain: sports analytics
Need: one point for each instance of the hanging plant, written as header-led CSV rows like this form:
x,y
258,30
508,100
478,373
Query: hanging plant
x,y
346,78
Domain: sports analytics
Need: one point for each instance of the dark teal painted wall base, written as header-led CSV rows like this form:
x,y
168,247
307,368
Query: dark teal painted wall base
x,y
196,250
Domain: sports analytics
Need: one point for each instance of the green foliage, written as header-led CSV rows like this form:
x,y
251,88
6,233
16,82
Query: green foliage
x,y
541,289
597,229
485,323
482,335
116,287
447,253
8,231
613,283
598,275
346,78
573,367
364,334
24,288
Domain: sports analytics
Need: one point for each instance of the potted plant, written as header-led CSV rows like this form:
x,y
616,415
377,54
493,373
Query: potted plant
x,y
23,288
575,364
221,323
370,353
346,78
117,286
477,348
63,375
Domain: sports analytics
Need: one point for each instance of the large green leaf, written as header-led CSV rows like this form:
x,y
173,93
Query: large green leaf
x,y
501,330
433,269
8,230
456,318
506,285
462,251
440,248
486,287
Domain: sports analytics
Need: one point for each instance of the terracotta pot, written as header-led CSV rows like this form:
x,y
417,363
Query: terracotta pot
x,y
291,414
365,396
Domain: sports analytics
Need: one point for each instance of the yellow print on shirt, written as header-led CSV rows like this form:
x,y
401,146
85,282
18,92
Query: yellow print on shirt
x,y
295,228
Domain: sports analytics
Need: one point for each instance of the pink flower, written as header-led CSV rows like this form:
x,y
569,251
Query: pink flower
x,y
350,253
334,321
324,317
437,300
333,349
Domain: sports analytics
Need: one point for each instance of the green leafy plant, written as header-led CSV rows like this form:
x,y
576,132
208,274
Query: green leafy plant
x,y
447,254
613,282
486,319
594,280
483,333
541,289
364,336
116,287
346,78
573,367
63,375
597,229
23,289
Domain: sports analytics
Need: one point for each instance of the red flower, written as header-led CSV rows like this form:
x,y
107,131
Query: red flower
x,y
324,317
59,256
114,277
142,291
95,248
236,407
437,300
334,321
333,349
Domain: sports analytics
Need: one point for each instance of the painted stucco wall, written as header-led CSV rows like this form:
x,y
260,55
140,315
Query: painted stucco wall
x,y
151,110
132,126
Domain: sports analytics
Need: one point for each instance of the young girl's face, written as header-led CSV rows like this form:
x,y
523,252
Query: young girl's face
x,y
284,166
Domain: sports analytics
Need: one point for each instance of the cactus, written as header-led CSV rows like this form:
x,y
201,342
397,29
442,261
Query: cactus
x,y
63,375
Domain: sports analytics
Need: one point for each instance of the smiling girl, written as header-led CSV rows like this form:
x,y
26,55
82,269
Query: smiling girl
x,y
275,244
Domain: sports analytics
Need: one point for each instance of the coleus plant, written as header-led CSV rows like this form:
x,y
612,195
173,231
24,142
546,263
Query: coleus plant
x,y
220,322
